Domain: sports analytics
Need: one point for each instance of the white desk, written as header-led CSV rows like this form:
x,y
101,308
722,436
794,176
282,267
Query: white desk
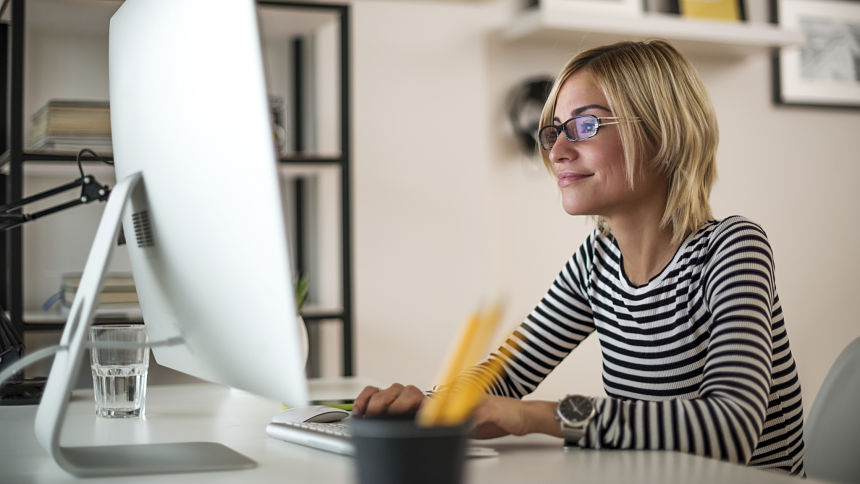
x,y
205,412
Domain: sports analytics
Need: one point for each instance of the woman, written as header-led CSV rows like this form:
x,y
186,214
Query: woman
x,y
695,352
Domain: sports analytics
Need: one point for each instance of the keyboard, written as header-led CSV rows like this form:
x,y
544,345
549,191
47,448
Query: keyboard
x,y
334,437
331,437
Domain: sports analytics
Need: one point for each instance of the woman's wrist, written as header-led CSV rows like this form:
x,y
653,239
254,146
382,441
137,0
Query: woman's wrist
x,y
541,417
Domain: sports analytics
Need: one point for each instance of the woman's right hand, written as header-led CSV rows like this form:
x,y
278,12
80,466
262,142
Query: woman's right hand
x,y
394,400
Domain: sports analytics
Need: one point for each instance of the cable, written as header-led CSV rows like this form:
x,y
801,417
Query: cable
x,y
91,153
28,360
51,350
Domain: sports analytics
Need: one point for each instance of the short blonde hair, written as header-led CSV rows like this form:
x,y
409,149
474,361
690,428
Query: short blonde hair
x,y
667,123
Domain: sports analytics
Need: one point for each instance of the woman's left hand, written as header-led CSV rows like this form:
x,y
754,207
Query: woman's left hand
x,y
499,416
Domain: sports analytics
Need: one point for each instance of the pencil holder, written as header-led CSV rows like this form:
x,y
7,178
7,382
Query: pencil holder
x,y
397,450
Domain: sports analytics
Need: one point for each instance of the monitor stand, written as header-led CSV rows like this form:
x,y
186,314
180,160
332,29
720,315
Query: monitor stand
x,y
113,460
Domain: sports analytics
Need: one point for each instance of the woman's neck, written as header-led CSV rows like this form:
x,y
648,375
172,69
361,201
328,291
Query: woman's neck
x,y
646,247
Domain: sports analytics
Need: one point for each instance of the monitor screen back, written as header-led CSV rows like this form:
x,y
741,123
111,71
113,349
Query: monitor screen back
x,y
206,233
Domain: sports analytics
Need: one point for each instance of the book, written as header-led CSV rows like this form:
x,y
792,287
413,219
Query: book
x,y
110,280
713,9
98,144
117,289
127,312
70,121
117,299
106,297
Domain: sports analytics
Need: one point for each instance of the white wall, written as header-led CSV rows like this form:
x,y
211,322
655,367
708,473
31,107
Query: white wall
x,y
448,214
425,221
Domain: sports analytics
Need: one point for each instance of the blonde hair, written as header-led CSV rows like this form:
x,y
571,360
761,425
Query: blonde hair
x,y
667,123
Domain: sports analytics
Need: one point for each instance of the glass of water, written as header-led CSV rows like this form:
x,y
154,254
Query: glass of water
x,y
119,369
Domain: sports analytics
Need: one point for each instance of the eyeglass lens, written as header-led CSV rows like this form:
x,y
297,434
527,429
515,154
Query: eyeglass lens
x,y
576,129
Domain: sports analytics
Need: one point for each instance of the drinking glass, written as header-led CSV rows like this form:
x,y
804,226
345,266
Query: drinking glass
x,y
119,370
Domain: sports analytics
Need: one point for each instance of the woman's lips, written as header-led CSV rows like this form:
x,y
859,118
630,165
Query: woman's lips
x,y
565,179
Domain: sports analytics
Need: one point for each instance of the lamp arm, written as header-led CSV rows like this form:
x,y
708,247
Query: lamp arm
x,y
91,191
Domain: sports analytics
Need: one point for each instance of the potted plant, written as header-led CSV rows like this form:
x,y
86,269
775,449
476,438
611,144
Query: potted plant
x,y
302,284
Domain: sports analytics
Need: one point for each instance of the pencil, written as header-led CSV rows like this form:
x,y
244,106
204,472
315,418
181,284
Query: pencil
x,y
459,396
467,391
431,412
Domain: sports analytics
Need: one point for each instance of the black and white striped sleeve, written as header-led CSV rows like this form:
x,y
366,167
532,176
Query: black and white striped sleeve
x,y
559,322
726,418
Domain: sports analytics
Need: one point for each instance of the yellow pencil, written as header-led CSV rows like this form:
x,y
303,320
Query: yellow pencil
x,y
457,359
467,391
452,405
431,411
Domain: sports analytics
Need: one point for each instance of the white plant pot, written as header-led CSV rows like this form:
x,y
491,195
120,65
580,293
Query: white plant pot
x,y
303,338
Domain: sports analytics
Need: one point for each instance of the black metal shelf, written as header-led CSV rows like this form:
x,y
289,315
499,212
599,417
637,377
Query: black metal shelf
x,y
312,160
36,323
65,156
14,157
48,156
315,316
43,326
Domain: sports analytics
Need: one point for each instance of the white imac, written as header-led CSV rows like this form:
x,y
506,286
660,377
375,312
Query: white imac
x,y
200,201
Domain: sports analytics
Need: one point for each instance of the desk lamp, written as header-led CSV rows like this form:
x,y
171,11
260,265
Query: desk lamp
x,y
21,391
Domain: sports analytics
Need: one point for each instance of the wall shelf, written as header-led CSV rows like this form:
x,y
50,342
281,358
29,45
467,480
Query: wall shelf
x,y
713,38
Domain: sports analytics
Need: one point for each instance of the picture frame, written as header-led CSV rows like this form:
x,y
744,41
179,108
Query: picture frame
x,y
595,7
825,69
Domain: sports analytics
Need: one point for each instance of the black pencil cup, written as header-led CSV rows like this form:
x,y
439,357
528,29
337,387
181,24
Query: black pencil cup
x,y
397,451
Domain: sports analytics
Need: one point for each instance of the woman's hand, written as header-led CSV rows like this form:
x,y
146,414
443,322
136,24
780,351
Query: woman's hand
x,y
394,400
500,416
493,417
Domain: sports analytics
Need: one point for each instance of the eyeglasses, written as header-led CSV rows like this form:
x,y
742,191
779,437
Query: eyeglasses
x,y
576,128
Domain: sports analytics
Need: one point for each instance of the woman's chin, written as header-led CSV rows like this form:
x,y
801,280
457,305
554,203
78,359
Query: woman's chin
x,y
574,207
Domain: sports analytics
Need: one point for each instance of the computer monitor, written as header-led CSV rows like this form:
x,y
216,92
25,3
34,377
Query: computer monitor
x,y
200,200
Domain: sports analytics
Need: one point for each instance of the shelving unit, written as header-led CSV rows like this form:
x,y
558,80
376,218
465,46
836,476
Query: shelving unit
x,y
14,157
714,38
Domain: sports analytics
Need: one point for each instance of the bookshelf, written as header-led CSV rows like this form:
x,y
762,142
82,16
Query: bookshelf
x,y
27,83
712,38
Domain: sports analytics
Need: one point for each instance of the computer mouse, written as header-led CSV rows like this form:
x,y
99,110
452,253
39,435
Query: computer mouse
x,y
313,413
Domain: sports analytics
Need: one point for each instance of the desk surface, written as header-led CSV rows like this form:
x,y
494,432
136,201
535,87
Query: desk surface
x,y
206,412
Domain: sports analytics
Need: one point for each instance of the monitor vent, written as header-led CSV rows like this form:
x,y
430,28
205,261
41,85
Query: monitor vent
x,y
142,229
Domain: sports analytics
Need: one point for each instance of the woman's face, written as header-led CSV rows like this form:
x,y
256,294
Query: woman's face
x,y
591,173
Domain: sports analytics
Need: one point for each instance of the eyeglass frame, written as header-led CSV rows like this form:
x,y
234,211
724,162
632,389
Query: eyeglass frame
x,y
562,128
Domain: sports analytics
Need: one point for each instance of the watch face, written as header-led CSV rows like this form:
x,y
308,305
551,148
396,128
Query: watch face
x,y
575,408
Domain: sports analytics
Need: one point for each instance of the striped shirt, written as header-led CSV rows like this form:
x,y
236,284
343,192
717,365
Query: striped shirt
x,y
696,360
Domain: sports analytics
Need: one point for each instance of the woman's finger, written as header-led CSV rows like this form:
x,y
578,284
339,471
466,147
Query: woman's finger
x,y
379,401
360,403
407,401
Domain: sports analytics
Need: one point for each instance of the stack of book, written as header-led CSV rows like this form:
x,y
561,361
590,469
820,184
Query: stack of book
x,y
118,296
71,126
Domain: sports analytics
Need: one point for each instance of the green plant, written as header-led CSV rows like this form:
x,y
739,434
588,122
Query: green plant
x,y
302,285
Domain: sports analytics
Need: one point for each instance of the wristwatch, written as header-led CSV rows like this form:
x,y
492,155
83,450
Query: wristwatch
x,y
574,412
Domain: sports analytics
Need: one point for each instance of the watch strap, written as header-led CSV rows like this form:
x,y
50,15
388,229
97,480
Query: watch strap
x,y
573,433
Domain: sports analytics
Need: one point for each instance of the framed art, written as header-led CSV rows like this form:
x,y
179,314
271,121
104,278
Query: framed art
x,y
825,69
596,7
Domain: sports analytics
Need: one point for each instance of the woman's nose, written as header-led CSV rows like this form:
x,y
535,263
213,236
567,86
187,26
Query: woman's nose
x,y
562,150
